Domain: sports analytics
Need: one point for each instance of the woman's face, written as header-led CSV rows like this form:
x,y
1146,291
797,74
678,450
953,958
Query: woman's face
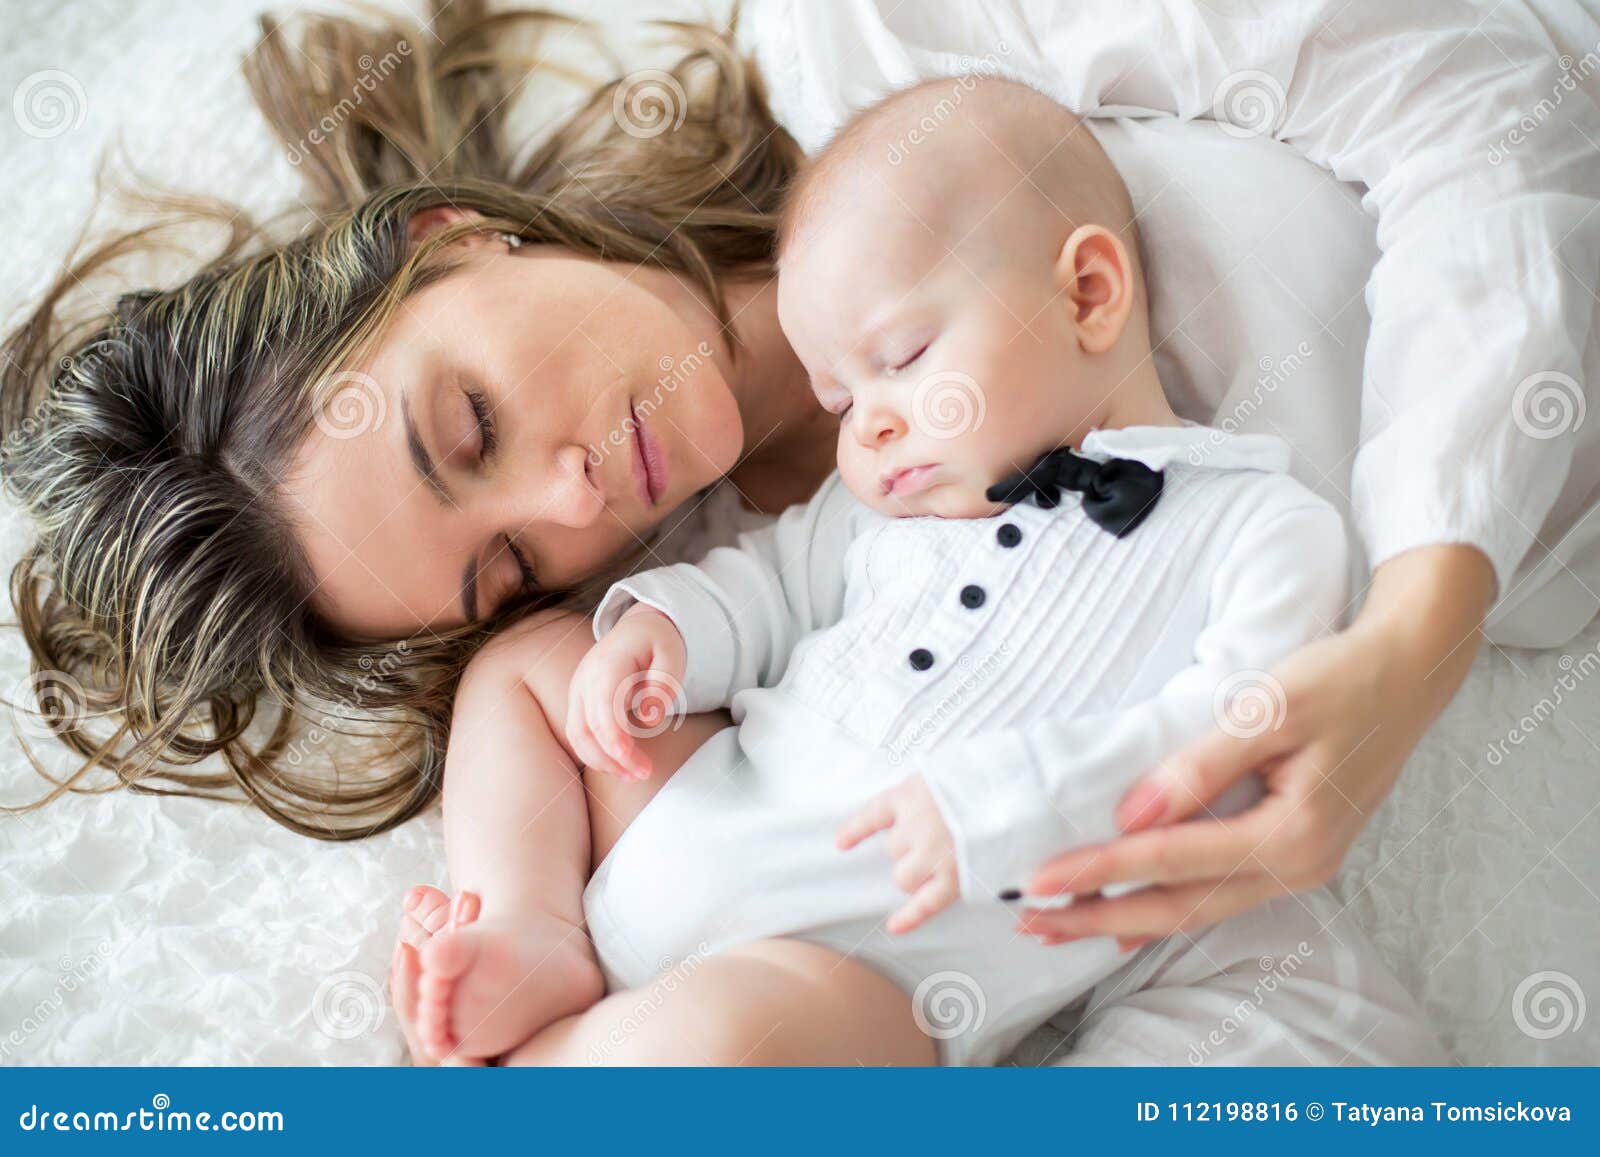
x,y
529,417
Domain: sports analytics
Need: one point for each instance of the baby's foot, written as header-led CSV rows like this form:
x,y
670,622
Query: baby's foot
x,y
489,986
427,911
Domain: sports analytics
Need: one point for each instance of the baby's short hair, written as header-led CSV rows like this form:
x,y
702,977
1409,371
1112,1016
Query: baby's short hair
x,y
951,122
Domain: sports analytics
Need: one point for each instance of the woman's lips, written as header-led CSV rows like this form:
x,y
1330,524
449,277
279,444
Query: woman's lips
x,y
911,480
649,462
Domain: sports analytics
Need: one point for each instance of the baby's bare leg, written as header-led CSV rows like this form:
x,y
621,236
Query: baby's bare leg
x,y
773,1002
517,829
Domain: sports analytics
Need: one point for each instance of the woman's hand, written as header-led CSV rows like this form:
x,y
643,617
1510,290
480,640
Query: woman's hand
x,y
1355,706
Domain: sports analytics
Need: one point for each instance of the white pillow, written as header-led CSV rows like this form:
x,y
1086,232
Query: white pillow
x,y
1257,261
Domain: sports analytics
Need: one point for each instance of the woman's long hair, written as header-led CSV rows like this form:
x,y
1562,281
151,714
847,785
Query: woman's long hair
x,y
166,601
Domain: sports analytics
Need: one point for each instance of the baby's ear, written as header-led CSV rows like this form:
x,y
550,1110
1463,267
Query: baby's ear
x,y
1095,274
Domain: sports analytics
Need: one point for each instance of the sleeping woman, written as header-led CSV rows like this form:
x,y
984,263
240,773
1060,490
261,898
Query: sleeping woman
x,y
392,429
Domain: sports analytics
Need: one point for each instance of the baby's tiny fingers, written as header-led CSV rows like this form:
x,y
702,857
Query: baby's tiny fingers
x,y
931,899
876,816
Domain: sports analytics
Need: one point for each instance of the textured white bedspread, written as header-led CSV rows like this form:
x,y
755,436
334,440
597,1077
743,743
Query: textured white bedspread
x,y
148,931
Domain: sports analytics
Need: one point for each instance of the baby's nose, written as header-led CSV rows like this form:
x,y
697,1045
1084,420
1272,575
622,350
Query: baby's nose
x,y
877,424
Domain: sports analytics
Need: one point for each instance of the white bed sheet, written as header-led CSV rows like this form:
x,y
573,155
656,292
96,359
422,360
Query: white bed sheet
x,y
143,931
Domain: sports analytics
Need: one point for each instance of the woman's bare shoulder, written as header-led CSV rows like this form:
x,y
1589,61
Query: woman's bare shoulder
x,y
540,651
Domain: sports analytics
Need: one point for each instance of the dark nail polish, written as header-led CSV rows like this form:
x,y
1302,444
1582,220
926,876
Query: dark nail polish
x,y
1011,894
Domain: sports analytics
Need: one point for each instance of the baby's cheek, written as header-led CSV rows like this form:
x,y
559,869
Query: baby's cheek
x,y
856,468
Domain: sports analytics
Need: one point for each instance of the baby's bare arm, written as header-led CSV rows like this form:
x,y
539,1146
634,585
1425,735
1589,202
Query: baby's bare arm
x,y
516,817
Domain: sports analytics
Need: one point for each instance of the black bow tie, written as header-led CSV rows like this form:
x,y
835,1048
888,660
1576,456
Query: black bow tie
x,y
1117,494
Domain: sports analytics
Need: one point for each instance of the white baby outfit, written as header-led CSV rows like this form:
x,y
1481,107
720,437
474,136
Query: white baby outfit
x,y
1030,665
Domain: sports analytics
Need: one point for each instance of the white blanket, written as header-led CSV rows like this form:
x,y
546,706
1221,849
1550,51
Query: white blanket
x,y
146,931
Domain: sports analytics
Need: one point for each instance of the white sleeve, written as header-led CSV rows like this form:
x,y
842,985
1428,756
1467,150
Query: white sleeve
x,y
743,608
1015,797
1481,159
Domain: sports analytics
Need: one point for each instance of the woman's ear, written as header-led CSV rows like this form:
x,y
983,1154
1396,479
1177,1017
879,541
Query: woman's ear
x,y
424,223
1096,276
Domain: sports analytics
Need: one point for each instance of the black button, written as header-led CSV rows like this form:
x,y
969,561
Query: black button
x,y
921,659
972,597
1008,534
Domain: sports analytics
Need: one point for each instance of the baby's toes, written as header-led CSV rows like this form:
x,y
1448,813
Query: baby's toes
x,y
427,911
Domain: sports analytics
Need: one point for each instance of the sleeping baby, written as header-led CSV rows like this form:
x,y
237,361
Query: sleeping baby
x,y
1027,583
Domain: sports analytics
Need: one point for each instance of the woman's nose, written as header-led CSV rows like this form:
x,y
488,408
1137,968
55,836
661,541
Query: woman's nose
x,y
570,497
875,423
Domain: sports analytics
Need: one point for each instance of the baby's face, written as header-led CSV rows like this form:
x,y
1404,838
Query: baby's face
x,y
949,366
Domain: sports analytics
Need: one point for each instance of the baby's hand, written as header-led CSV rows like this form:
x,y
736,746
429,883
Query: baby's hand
x,y
924,852
625,689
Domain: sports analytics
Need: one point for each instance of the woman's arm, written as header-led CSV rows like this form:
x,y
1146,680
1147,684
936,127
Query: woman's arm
x,y
1356,705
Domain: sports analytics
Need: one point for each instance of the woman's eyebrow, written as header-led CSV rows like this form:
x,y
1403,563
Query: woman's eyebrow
x,y
420,458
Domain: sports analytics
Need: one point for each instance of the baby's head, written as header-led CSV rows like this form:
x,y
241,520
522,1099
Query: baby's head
x,y
959,275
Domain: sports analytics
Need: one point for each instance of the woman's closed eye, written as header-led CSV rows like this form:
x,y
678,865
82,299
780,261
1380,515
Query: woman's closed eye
x,y
483,421
528,582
